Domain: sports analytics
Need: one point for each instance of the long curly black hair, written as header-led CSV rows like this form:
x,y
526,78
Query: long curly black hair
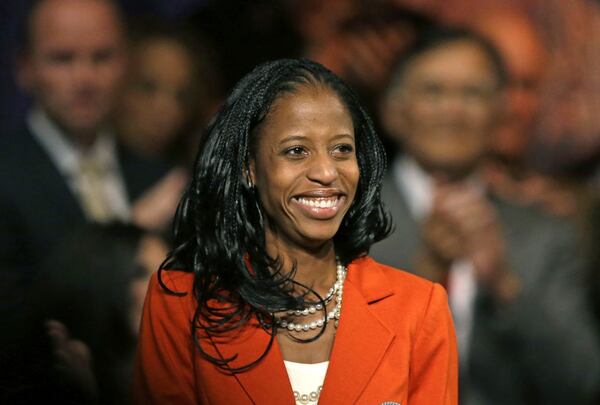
x,y
219,226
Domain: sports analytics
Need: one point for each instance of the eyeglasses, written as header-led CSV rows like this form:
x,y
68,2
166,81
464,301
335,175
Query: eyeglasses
x,y
469,94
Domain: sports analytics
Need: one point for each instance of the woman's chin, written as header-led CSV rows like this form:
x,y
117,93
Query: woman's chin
x,y
318,237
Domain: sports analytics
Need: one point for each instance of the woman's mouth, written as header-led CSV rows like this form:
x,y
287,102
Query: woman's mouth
x,y
322,207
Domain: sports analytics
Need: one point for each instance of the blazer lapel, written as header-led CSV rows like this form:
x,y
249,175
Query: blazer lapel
x,y
361,340
49,181
267,382
360,344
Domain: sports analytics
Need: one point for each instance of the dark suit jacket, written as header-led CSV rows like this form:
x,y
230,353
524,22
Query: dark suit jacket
x,y
395,342
542,349
37,209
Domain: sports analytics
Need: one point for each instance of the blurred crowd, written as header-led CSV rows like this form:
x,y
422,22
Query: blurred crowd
x,y
490,113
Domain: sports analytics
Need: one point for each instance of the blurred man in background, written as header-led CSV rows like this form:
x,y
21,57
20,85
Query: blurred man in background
x,y
514,276
64,168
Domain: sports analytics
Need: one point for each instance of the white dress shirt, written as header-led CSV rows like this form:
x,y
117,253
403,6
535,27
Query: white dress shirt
x,y
418,189
306,379
67,158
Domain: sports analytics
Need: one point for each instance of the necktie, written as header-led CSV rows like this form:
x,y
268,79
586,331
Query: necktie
x,y
91,194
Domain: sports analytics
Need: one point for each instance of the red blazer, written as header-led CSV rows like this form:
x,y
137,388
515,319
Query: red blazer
x,y
395,342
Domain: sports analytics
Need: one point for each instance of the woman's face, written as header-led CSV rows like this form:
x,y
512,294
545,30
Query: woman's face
x,y
305,168
156,103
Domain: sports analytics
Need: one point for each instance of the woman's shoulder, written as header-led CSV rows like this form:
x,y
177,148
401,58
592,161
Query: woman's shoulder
x,y
398,280
177,280
171,291
418,298
417,295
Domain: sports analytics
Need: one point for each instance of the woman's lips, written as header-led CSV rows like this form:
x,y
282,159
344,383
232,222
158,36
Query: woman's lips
x,y
319,207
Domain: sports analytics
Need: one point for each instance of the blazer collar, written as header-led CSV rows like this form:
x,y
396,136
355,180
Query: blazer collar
x,y
362,338
368,278
266,382
361,342
47,176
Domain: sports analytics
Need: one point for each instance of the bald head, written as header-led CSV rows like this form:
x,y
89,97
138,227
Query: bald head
x,y
73,62
40,7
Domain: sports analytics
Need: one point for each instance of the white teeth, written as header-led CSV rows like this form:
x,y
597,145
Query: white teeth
x,y
319,202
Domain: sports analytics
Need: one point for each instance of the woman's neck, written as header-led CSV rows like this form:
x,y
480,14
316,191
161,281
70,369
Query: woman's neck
x,y
315,268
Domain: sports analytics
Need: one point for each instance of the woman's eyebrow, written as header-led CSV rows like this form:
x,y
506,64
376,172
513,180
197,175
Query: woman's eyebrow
x,y
344,135
292,138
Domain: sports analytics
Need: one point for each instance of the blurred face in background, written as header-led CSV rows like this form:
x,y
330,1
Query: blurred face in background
x,y
444,108
74,63
157,101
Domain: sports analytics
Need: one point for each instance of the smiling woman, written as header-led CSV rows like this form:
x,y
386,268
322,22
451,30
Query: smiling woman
x,y
269,296
305,168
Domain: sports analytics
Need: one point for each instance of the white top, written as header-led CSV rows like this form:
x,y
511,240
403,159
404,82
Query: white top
x,y
66,157
306,380
418,188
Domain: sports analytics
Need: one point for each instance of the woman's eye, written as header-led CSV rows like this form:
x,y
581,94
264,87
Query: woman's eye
x,y
295,151
344,148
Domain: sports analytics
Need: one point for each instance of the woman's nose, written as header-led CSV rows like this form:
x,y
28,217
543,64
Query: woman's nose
x,y
323,169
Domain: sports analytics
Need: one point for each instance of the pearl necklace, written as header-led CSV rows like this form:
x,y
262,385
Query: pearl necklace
x,y
334,314
313,396
312,309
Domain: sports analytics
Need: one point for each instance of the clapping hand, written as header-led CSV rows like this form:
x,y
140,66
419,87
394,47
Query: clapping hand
x,y
464,225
